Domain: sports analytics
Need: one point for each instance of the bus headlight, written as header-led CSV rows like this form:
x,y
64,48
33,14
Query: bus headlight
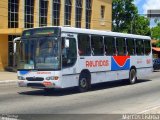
x,y
52,78
21,78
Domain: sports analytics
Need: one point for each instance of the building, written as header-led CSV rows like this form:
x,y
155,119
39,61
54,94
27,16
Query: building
x,y
17,15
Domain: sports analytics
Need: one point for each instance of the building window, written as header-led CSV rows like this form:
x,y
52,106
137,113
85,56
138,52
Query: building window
x,y
11,57
43,6
29,13
13,13
56,12
88,13
102,11
68,7
78,13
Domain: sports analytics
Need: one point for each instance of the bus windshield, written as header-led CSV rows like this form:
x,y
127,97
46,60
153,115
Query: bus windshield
x,y
39,53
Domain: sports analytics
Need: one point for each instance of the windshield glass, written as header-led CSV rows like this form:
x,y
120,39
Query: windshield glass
x,y
39,53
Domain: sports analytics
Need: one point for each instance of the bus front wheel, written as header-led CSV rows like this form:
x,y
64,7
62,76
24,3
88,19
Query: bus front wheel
x,y
84,83
132,76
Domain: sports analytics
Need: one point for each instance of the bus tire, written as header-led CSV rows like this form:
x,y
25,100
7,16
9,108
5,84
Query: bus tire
x,y
132,76
84,83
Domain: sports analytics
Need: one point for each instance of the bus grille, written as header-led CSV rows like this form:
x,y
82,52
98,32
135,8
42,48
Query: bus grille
x,y
34,78
35,85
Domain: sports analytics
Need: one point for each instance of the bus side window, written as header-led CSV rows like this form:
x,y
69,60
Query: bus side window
x,y
69,52
120,45
139,47
97,45
84,45
109,43
147,47
130,46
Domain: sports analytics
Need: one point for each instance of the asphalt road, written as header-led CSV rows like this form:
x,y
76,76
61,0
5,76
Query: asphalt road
x,y
106,98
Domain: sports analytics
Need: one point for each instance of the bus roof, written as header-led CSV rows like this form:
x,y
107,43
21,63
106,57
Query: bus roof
x,y
102,32
97,32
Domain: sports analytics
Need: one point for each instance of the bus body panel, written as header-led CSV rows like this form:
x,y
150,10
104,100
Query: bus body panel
x,y
97,65
143,64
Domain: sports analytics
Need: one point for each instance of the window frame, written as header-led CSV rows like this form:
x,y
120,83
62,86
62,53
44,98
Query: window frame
x,y
102,43
145,48
29,15
122,47
13,13
88,47
67,12
139,47
43,13
56,12
78,13
88,13
64,67
102,13
133,46
112,49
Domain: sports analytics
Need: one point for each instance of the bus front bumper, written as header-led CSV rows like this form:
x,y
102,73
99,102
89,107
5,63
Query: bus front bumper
x,y
37,84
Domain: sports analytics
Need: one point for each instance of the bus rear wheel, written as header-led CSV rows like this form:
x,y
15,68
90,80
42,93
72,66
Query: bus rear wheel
x,y
84,83
132,76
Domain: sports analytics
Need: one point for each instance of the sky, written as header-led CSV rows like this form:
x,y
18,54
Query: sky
x,y
144,5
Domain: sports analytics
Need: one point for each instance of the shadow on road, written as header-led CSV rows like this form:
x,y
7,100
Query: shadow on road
x,y
69,91
156,71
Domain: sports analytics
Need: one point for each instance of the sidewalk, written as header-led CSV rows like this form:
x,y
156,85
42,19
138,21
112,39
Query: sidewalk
x,y
8,76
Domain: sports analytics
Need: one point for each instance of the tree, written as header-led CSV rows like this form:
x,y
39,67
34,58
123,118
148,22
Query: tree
x,y
156,31
126,18
157,21
123,13
158,43
141,26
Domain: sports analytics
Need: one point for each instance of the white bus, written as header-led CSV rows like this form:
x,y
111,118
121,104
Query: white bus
x,y
62,57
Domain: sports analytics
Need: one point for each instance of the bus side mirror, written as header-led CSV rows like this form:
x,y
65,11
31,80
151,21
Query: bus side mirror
x,y
15,42
66,43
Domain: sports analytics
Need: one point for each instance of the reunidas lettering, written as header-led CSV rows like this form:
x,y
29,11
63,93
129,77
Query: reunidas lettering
x,y
97,63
